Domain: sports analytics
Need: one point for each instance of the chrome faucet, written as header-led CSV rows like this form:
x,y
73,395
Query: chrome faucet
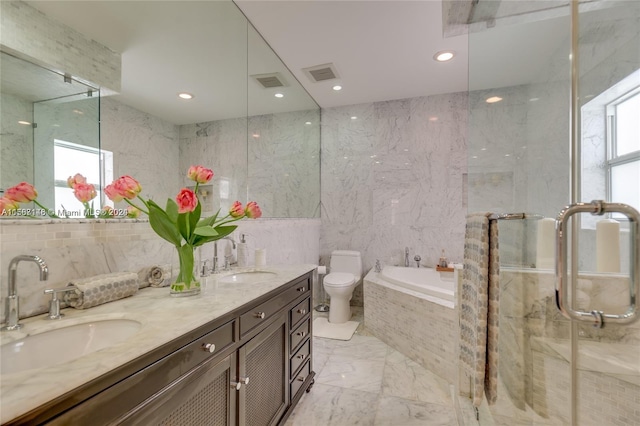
x,y
406,257
216,265
12,309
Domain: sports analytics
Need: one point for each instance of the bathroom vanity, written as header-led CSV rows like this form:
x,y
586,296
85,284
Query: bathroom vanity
x,y
248,365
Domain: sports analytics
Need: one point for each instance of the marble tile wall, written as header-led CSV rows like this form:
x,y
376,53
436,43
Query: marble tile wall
x,y
392,177
16,141
421,330
79,248
38,38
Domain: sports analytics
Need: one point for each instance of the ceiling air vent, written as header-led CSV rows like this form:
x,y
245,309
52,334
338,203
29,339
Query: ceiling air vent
x,y
270,80
321,72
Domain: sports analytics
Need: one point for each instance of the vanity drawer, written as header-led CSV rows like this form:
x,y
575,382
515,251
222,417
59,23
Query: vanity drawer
x,y
298,335
262,312
208,345
300,378
299,312
300,357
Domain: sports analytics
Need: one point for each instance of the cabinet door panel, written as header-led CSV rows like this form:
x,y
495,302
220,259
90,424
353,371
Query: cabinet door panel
x,y
204,396
264,361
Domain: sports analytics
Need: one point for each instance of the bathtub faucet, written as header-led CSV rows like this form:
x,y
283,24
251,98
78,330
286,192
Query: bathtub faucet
x,y
406,257
417,259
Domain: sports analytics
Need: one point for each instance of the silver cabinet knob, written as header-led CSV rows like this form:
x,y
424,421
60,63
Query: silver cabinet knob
x,y
236,385
244,380
260,315
302,311
300,333
300,379
208,347
301,289
301,356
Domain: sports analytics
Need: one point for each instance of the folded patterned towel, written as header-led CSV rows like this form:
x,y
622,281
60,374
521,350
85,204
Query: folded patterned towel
x,y
101,289
155,276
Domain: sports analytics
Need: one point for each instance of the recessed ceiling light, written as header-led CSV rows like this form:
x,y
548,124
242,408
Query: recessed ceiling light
x,y
494,99
475,156
279,95
308,123
444,56
433,118
255,135
337,87
185,95
26,123
354,117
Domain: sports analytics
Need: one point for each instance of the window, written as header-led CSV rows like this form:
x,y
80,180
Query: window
x,y
94,164
623,150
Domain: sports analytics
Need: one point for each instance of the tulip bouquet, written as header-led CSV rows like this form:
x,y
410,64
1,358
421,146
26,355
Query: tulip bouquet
x,y
180,222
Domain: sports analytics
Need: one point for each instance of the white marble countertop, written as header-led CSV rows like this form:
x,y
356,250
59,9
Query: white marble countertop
x,y
163,319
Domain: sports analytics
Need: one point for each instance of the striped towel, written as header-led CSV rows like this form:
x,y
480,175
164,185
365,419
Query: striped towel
x,y
479,306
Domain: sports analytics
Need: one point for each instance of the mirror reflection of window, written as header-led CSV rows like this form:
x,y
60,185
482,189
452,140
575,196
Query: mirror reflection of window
x,y
71,158
623,159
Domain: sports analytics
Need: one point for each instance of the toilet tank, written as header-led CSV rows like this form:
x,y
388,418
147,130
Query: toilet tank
x,y
346,261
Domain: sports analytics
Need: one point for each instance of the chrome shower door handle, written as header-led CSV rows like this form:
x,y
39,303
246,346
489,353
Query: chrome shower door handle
x,y
596,208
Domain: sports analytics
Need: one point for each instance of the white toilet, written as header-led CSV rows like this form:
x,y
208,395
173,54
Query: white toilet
x,y
346,271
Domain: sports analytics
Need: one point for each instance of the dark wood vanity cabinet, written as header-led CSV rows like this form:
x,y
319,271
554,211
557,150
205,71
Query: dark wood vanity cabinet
x,y
251,370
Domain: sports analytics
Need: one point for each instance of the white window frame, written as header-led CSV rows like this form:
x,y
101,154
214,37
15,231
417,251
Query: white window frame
x,y
105,159
612,159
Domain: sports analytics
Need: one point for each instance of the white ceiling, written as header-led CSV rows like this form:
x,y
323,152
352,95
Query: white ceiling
x,y
382,50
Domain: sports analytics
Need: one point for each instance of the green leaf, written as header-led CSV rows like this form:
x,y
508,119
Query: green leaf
x,y
222,231
206,231
172,210
162,225
182,225
208,221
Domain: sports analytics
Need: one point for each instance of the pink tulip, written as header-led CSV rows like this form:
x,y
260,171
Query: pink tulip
x,y
8,206
236,210
199,174
22,193
252,211
133,212
186,200
72,181
123,187
84,192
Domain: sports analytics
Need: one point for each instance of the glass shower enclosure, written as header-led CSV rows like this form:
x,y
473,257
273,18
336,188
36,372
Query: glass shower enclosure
x,y
541,138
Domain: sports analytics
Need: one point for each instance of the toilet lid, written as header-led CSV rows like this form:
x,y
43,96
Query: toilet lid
x,y
339,279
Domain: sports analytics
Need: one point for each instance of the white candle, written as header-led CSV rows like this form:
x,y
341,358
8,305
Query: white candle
x,y
261,257
545,245
608,246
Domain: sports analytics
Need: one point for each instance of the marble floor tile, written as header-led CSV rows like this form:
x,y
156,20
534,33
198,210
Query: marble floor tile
x,y
334,406
404,378
319,361
402,412
352,373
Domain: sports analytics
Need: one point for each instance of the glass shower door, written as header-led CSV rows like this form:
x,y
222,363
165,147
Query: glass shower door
x,y
607,359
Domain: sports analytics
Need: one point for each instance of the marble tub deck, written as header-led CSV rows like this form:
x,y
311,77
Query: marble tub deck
x,y
363,381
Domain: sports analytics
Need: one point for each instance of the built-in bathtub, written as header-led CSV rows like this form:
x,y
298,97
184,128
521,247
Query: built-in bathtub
x,y
414,311
440,286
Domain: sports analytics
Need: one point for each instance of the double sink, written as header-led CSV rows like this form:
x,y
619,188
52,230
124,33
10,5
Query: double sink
x,y
60,343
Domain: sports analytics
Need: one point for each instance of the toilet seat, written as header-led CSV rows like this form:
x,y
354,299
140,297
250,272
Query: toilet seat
x,y
339,279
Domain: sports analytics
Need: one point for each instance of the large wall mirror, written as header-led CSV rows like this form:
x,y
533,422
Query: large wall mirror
x,y
261,147
49,123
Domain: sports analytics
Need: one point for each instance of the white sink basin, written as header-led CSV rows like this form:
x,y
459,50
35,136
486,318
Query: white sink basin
x,y
64,344
250,277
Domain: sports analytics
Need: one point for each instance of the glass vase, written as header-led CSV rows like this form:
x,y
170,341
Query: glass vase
x,y
185,279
